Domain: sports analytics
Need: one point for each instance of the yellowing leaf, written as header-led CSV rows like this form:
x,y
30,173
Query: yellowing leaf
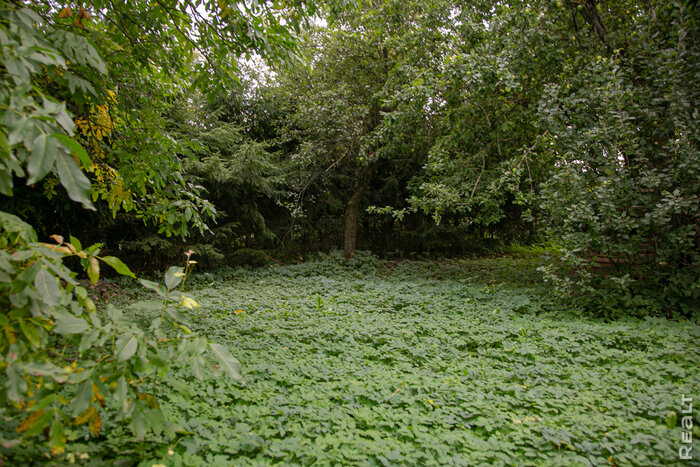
x,y
118,266
84,416
189,303
98,397
29,421
93,270
65,13
95,423
10,334
89,305
62,249
149,399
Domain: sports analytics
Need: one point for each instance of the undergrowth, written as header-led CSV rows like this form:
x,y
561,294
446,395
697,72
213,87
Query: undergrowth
x,y
416,363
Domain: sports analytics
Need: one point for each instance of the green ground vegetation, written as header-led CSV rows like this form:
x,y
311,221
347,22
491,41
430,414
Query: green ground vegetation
x,y
457,362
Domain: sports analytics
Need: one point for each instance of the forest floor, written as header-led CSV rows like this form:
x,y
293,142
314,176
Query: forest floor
x,y
419,363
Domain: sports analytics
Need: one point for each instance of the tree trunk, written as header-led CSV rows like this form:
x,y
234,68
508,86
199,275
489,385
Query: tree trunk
x,y
352,211
353,208
589,11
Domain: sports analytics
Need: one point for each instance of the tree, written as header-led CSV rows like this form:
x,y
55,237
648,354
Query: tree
x,y
623,198
588,130
236,162
338,105
479,100
82,91
153,52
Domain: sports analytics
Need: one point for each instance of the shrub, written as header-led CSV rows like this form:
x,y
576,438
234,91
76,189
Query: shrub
x,y
248,257
625,188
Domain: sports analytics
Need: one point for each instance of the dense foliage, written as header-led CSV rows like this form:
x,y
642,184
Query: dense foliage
x,y
215,133
414,363
624,133
426,127
85,92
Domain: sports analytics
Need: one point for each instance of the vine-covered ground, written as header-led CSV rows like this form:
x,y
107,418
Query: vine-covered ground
x,y
418,363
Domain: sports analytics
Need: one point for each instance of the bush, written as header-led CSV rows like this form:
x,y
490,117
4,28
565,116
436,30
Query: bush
x,y
207,255
151,252
248,257
625,189
107,363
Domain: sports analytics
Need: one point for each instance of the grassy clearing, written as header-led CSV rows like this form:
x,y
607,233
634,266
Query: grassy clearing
x,y
419,363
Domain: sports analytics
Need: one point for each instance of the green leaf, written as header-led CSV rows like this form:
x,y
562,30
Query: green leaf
x,y
26,276
173,277
67,324
15,384
75,148
19,126
21,256
41,159
83,397
6,181
172,428
44,369
14,224
30,331
157,288
59,270
118,265
148,305
93,270
73,180
114,313
76,243
47,286
57,438
138,423
5,264
126,346
120,394
228,363
65,120
178,316
29,17
88,339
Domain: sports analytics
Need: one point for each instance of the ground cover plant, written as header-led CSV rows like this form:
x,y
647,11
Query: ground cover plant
x,y
370,362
